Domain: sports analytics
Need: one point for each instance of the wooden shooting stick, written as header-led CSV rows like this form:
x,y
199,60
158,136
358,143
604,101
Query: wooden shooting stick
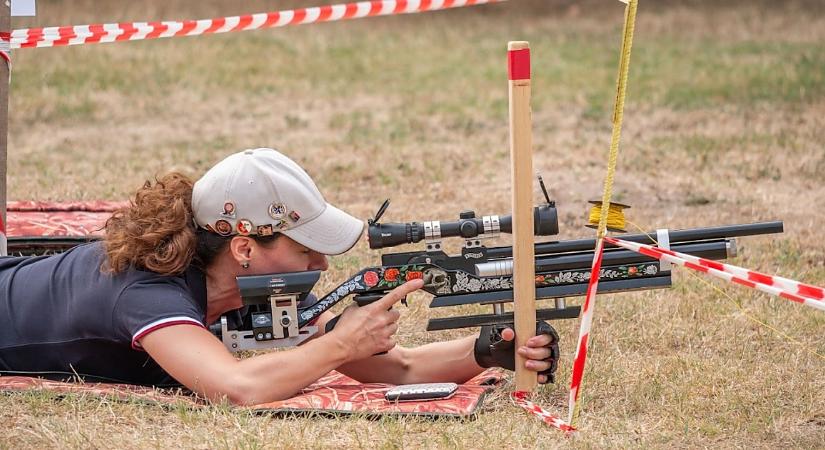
x,y
521,157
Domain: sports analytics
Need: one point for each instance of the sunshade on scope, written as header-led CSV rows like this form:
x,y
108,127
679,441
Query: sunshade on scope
x,y
383,235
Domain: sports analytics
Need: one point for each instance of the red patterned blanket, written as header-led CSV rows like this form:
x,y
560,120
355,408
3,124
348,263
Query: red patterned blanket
x,y
29,219
335,393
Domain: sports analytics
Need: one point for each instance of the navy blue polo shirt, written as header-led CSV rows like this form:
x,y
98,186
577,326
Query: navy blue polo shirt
x,y
61,316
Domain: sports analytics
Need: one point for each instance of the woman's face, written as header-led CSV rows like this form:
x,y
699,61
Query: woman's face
x,y
285,255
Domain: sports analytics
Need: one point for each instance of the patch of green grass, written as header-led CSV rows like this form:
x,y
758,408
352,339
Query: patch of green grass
x,y
743,74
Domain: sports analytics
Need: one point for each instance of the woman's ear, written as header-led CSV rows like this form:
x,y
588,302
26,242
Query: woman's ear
x,y
241,249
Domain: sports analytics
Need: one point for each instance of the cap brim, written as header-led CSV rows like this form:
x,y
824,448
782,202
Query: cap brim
x,y
333,232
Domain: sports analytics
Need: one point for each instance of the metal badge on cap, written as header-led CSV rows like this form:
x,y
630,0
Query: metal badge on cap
x,y
277,211
228,210
282,225
223,228
294,216
244,226
265,230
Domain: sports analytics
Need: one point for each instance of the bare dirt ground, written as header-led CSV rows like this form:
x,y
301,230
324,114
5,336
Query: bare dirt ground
x,y
724,123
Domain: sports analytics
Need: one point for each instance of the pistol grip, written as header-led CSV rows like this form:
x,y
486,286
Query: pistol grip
x,y
366,299
331,324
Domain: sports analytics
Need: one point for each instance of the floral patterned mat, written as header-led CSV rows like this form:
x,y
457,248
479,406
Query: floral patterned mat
x,y
335,393
32,219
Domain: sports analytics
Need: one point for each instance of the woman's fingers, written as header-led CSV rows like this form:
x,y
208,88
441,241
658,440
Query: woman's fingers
x,y
534,353
542,340
395,295
537,366
392,328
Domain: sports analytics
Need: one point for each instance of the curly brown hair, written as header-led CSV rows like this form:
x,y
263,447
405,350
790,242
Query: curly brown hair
x,y
156,231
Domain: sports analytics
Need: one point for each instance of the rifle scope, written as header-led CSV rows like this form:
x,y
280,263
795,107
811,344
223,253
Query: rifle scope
x,y
383,235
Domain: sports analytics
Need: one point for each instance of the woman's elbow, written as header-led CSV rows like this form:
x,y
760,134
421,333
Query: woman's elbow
x,y
241,390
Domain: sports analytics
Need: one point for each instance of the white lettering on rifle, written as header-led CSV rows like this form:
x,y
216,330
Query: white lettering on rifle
x,y
473,255
386,234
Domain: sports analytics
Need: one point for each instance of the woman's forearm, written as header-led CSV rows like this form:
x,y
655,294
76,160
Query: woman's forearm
x,y
437,362
442,362
201,363
281,374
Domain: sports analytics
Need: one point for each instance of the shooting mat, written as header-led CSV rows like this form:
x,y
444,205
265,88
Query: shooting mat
x,y
334,394
58,219
35,228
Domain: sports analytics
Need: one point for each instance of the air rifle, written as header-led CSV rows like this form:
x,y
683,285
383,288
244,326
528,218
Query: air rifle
x,y
280,311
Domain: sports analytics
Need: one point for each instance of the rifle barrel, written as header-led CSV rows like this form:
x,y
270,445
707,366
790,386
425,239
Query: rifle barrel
x,y
692,234
720,249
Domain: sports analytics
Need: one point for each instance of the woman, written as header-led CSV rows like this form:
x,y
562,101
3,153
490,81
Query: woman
x,y
135,308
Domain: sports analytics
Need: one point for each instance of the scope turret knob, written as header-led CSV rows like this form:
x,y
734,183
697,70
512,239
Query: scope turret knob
x,y
467,214
468,229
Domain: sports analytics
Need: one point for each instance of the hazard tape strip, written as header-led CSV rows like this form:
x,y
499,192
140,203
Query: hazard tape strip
x,y
584,332
135,31
3,243
521,398
805,294
5,49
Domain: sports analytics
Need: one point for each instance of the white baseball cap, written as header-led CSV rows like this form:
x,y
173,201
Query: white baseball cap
x,y
262,192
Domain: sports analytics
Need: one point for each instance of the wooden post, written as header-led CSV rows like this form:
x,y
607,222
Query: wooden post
x,y
521,157
5,32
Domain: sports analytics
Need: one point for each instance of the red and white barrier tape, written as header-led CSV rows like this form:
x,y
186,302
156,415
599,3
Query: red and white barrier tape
x,y
584,332
135,31
520,398
805,294
5,48
3,244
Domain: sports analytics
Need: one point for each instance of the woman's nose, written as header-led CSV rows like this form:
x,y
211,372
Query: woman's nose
x,y
318,262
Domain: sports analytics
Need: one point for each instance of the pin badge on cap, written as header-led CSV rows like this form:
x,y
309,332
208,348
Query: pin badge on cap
x,y
228,210
282,225
265,230
277,210
294,216
223,228
244,227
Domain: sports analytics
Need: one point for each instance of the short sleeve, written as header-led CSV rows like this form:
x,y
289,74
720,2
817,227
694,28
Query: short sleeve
x,y
149,305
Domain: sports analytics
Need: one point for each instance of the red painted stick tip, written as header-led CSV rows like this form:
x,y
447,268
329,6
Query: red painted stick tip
x,y
518,60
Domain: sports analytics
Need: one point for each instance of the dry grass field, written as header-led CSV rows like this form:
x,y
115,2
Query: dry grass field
x,y
724,123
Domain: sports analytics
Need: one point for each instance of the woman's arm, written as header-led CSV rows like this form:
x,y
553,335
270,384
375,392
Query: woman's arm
x,y
431,363
199,361
448,361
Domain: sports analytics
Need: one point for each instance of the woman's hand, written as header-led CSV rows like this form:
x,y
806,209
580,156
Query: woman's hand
x,y
367,330
539,353
495,347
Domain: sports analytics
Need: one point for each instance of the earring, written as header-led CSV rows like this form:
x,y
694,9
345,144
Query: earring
x,y
245,264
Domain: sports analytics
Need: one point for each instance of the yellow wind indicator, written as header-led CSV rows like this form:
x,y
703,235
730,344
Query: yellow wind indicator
x,y
615,216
